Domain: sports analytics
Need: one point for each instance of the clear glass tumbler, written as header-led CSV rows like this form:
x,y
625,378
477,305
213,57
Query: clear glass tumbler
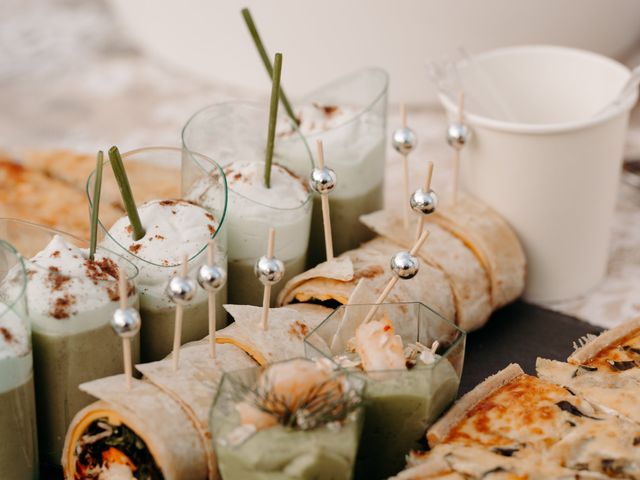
x,y
19,443
70,302
353,147
165,173
236,132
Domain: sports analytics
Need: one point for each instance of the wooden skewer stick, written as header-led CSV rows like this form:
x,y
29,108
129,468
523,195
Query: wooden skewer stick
x,y
266,298
392,282
211,258
456,151
126,342
326,214
177,331
405,171
426,186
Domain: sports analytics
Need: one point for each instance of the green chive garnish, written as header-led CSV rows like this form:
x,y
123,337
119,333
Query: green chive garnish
x,y
273,117
97,188
265,60
125,191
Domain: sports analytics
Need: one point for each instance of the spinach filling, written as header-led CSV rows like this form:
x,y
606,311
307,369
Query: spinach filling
x,y
101,438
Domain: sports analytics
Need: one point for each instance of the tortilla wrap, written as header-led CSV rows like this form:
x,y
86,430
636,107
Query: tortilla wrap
x,y
156,418
371,262
282,340
493,242
467,276
195,384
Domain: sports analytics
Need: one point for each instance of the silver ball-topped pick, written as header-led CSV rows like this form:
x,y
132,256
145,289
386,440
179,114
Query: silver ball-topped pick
x,y
458,135
323,180
269,270
126,322
424,202
211,277
404,140
404,265
181,290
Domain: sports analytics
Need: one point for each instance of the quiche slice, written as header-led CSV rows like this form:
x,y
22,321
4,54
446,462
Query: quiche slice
x,y
31,195
517,415
150,180
605,370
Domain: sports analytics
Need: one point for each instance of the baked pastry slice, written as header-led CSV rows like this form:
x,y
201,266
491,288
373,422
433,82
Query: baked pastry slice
x,y
516,415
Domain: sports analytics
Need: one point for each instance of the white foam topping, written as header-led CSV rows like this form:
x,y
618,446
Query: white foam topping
x,y
65,290
14,335
16,363
247,179
316,118
173,228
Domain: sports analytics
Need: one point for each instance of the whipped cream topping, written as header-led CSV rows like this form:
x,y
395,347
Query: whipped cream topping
x,y
65,288
173,228
14,336
317,117
247,179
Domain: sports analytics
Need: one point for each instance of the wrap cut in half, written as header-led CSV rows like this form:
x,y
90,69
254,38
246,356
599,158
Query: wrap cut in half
x,y
491,239
166,415
334,281
284,337
468,278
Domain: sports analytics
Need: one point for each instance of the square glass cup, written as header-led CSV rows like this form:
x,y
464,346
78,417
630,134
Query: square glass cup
x,y
400,405
327,452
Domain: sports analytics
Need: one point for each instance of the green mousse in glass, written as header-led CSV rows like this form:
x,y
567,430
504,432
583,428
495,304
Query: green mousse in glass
x,y
411,360
291,420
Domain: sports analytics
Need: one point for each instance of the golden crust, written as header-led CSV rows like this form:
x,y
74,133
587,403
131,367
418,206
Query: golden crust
x,y
30,195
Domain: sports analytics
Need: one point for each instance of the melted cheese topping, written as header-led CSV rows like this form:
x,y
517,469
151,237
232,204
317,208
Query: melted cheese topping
x,y
619,358
523,411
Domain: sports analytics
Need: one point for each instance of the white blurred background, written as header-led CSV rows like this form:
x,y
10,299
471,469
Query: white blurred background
x,y
79,74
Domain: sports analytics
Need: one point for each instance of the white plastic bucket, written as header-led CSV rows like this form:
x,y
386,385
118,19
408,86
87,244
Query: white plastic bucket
x,y
553,170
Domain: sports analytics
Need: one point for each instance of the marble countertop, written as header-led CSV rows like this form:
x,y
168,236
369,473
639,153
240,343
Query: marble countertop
x,y
71,79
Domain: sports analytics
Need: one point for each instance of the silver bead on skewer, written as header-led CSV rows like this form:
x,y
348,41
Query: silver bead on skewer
x,y
269,270
404,140
126,322
181,289
405,265
424,202
211,277
323,180
458,135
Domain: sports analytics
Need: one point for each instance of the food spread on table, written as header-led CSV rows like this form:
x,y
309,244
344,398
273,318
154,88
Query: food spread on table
x,y
577,419
341,351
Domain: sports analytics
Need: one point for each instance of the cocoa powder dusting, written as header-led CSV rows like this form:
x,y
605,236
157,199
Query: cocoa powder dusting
x,y
103,269
55,254
135,247
128,229
168,203
61,307
159,237
212,229
114,292
6,334
56,279
209,216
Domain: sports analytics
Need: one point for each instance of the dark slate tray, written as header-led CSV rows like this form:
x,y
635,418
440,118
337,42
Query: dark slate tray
x,y
519,333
